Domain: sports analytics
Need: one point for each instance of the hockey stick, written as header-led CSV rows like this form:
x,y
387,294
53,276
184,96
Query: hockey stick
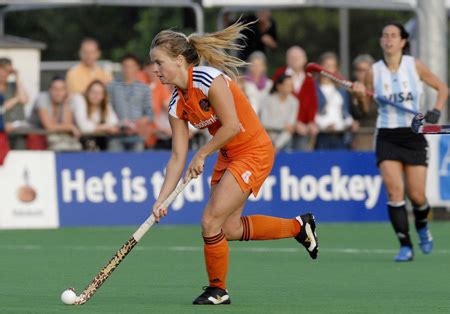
x,y
417,122
418,127
314,67
120,255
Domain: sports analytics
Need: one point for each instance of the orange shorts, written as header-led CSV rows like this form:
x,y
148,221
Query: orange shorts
x,y
250,166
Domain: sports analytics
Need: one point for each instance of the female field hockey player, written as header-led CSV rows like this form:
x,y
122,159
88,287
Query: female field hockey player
x,y
401,154
207,97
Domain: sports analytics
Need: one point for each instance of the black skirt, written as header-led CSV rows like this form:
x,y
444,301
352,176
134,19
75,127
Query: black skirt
x,y
401,144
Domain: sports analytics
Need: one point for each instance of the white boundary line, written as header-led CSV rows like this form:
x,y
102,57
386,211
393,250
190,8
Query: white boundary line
x,y
200,248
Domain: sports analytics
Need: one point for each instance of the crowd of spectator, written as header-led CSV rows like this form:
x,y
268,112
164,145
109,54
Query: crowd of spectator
x,y
91,110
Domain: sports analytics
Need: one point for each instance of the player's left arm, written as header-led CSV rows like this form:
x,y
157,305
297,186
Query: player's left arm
x,y
221,99
442,90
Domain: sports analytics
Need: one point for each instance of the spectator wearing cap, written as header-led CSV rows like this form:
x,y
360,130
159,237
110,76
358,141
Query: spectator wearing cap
x,y
87,71
304,89
131,100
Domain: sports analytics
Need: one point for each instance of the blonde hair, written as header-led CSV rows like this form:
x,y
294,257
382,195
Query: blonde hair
x,y
210,47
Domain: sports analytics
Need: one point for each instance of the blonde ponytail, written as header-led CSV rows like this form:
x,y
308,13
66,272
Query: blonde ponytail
x,y
210,47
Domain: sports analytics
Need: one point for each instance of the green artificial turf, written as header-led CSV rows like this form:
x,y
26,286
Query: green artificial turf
x,y
354,273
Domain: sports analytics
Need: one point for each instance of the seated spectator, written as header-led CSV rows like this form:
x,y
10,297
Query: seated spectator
x,y
13,97
333,118
52,112
94,114
82,74
256,85
131,100
279,112
305,91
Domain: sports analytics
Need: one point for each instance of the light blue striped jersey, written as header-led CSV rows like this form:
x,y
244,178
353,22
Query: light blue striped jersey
x,y
403,87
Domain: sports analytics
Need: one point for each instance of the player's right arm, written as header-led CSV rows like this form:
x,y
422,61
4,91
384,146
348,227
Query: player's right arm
x,y
175,166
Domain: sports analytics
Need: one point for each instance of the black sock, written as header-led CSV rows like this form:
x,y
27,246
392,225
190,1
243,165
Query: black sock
x,y
399,221
421,215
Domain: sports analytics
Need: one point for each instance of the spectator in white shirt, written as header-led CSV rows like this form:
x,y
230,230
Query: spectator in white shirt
x,y
333,118
256,84
94,114
279,112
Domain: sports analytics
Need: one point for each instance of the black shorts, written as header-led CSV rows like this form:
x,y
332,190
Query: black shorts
x,y
401,144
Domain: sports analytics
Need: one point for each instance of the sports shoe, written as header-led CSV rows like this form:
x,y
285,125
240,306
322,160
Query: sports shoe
x,y
405,254
213,296
307,235
426,240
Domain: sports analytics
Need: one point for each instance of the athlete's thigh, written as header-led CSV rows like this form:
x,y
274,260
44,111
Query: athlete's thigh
x,y
226,198
392,173
416,176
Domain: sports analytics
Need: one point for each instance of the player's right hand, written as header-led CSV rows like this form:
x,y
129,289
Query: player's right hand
x,y
158,211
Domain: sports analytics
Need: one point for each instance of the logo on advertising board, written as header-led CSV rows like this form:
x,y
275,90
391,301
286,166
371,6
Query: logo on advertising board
x,y
444,167
120,188
28,186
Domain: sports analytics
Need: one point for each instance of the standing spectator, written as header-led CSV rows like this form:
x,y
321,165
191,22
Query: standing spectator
x,y
362,111
334,118
279,112
132,103
14,97
256,85
52,112
162,139
81,75
305,91
93,113
261,36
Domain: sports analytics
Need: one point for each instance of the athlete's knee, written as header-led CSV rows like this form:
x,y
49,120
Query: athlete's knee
x,y
417,199
211,223
232,231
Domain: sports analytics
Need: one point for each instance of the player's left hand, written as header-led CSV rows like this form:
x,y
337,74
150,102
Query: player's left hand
x,y
432,116
195,167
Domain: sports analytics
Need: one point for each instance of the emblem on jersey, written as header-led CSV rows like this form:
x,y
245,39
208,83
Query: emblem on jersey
x,y
246,176
204,104
185,114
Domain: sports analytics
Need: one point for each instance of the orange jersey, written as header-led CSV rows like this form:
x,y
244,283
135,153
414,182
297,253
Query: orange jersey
x,y
199,112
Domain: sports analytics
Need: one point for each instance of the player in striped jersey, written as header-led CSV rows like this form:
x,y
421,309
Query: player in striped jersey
x,y
208,98
402,154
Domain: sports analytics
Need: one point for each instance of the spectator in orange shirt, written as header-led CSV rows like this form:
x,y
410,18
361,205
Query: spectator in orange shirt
x,y
87,71
162,138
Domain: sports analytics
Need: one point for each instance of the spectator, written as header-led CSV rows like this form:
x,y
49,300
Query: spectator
x,y
162,137
52,112
93,113
256,85
81,75
261,36
132,103
13,97
334,118
279,112
305,91
363,112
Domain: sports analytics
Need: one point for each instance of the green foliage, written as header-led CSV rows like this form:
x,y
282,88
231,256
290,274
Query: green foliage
x,y
63,29
150,22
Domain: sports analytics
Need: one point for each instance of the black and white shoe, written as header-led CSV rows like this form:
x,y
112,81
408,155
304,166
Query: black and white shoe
x,y
307,235
213,296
